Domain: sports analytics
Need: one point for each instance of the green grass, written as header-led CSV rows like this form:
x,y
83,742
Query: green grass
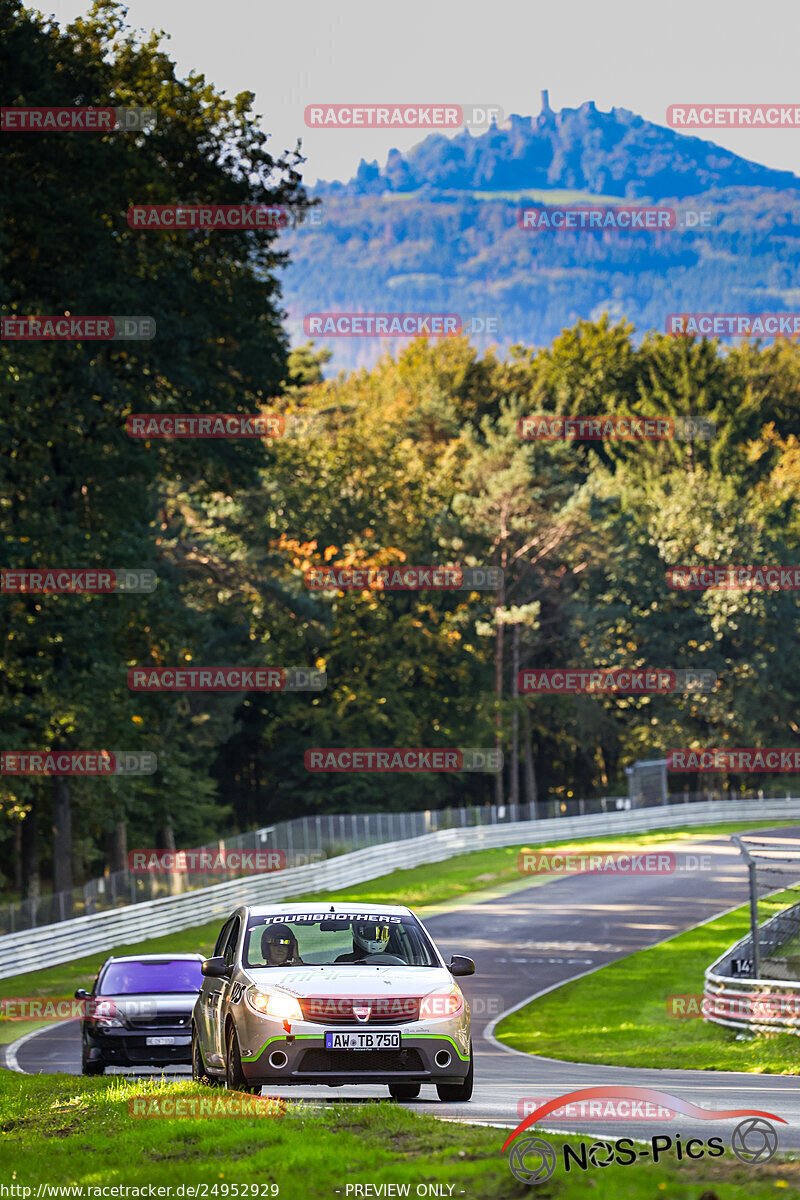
x,y
618,1015
64,1130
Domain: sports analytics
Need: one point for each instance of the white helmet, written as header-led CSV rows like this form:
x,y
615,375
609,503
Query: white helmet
x,y
370,937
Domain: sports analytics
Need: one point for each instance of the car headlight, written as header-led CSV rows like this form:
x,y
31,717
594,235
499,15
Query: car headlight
x,y
103,1013
444,1002
279,1005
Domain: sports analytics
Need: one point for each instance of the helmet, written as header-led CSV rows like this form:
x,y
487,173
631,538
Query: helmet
x,y
278,944
370,937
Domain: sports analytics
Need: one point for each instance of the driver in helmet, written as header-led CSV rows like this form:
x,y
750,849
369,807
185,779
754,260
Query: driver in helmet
x,y
368,938
279,946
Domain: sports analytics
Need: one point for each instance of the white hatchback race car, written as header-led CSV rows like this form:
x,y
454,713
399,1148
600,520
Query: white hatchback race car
x,y
333,994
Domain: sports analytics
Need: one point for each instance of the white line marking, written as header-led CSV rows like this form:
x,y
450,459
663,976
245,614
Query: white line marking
x,y
12,1062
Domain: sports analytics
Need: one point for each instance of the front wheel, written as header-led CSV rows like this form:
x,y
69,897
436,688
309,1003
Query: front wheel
x,y
455,1093
234,1075
404,1091
87,1066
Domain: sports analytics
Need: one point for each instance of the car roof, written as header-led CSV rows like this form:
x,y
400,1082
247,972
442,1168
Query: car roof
x,y
328,907
153,958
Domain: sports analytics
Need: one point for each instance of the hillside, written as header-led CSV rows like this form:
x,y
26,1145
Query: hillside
x,y
436,230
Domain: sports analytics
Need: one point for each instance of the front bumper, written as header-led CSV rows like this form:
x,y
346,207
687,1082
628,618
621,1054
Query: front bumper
x,y
308,1061
126,1048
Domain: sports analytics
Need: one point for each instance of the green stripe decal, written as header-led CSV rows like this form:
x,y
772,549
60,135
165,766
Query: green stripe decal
x,y
310,1037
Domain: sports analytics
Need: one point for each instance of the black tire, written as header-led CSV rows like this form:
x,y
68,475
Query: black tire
x,y
234,1075
404,1091
457,1093
199,1072
88,1067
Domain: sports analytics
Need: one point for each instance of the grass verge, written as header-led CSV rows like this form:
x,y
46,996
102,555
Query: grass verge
x,y
618,1015
78,1132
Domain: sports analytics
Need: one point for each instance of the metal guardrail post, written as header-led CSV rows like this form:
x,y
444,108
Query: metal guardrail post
x,y
751,874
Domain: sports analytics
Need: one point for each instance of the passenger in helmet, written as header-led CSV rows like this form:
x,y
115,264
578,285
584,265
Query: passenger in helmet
x,y
279,946
368,938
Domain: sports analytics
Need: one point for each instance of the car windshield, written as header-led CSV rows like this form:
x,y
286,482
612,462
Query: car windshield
x,y
322,939
178,975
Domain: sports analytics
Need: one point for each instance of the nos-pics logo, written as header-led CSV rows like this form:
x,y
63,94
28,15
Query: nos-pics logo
x,y
533,1159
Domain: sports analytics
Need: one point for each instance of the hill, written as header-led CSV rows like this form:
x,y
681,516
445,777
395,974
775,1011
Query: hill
x,y
436,230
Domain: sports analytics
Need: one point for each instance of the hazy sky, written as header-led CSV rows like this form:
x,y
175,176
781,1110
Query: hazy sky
x,y
628,53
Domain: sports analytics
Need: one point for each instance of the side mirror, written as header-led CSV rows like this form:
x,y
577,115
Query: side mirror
x,y
459,965
215,968
81,994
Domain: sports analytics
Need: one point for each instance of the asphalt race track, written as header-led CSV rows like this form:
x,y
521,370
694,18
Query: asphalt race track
x,y
527,942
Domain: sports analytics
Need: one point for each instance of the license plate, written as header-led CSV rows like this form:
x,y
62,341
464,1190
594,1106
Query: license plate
x,y
161,1041
362,1041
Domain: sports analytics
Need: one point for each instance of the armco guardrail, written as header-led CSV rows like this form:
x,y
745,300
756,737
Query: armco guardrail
x,y
305,840
759,1005
52,944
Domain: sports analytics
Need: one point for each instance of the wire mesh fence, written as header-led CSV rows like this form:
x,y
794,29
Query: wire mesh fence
x,y
773,948
313,838
303,840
